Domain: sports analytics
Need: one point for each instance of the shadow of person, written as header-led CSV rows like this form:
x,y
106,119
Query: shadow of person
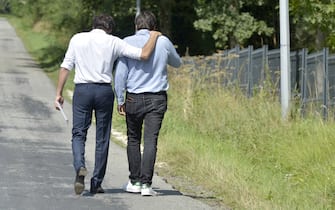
x,y
87,193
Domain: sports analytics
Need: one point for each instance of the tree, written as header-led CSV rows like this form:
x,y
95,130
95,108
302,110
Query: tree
x,y
314,23
229,25
4,6
189,41
267,11
195,26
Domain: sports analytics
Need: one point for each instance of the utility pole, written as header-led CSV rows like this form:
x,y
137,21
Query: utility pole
x,y
138,7
285,81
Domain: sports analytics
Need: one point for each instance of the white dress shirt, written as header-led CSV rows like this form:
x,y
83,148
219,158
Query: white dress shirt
x,y
93,53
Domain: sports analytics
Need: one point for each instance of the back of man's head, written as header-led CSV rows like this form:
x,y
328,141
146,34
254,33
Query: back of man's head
x,y
104,22
146,20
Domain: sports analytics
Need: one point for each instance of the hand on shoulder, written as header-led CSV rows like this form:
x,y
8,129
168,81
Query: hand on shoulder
x,y
155,33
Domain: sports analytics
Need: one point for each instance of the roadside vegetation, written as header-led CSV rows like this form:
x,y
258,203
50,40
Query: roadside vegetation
x,y
230,149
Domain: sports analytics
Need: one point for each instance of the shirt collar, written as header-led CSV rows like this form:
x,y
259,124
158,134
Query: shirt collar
x,y
142,32
97,30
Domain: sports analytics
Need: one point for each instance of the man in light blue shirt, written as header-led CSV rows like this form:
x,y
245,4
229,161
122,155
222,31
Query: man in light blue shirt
x,y
145,84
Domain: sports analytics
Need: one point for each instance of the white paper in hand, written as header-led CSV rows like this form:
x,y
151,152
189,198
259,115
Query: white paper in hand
x,y
62,111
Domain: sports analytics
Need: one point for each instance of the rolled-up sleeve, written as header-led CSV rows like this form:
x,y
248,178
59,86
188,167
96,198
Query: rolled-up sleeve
x,y
69,59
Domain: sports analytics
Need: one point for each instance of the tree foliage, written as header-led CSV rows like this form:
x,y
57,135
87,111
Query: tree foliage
x,y
195,26
314,23
4,6
228,24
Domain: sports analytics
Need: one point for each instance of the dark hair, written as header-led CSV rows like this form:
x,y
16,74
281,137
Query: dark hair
x,y
146,20
104,22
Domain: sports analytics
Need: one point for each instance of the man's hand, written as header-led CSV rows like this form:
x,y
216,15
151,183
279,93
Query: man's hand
x,y
58,101
122,109
155,33
150,45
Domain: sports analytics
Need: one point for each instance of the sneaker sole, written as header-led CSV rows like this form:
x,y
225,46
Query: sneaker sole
x,y
132,191
148,193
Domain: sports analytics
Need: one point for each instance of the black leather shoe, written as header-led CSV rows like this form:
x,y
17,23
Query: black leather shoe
x,y
96,189
79,183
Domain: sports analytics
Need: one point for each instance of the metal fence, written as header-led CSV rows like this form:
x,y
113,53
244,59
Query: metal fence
x,y
312,75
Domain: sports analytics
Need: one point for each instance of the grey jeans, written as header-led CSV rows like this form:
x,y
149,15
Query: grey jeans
x,y
146,109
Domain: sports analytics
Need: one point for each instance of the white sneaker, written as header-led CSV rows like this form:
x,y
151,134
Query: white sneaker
x,y
133,188
147,190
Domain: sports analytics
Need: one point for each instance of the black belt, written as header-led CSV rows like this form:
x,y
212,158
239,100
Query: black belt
x,y
93,83
149,93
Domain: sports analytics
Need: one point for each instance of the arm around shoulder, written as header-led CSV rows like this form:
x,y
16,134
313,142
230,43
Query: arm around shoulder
x,y
150,45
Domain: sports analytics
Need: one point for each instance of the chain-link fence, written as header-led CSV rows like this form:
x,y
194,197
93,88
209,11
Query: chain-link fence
x,y
312,75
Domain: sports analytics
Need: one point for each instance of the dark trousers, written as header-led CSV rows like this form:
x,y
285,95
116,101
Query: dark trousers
x,y
147,109
86,99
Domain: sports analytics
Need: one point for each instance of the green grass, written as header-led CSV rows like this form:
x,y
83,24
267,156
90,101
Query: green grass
x,y
243,150
238,149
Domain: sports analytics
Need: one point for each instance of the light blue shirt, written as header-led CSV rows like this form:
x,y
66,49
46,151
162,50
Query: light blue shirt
x,y
145,76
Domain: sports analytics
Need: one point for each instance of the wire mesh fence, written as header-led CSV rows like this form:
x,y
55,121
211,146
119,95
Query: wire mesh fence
x,y
312,76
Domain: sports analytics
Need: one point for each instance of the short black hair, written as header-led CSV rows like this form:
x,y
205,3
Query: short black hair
x,y
146,20
104,22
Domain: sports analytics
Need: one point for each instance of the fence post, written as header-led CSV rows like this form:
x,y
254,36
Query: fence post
x,y
237,63
265,62
297,73
303,81
325,83
250,82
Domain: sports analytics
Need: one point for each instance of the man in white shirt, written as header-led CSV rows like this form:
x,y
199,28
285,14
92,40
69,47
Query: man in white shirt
x,y
92,55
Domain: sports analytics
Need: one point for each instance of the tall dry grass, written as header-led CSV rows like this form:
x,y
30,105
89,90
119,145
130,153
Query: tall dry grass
x,y
240,148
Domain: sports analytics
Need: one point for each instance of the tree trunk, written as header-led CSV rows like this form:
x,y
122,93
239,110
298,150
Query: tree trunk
x,y
320,39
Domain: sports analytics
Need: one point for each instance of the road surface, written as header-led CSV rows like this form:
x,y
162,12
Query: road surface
x,y
35,148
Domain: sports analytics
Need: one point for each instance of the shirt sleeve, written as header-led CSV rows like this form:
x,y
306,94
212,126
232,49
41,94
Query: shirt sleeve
x,y
174,59
120,79
130,51
69,59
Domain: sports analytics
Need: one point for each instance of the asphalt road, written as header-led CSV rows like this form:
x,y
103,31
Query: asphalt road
x,y
36,170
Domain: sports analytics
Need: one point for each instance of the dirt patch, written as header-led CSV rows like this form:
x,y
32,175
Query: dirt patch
x,y
186,186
